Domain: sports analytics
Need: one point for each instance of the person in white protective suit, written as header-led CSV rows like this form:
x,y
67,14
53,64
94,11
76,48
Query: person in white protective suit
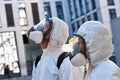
x,y
95,48
51,33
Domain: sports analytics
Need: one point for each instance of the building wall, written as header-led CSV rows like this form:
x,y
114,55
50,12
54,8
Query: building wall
x,y
116,39
104,9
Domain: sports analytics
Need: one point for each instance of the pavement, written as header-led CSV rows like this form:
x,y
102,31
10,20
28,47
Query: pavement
x,y
19,78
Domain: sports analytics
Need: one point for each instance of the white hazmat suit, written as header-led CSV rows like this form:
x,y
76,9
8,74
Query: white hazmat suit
x,y
99,44
46,68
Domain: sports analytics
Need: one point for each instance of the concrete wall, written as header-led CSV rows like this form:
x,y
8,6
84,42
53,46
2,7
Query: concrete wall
x,y
115,27
104,9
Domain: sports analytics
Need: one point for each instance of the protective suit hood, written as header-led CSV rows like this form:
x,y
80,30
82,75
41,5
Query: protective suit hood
x,y
59,33
98,41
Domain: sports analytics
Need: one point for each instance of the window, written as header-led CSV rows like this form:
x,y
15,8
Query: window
x,y
81,7
8,53
110,2
75,8
47,9
78,24
89,17
59,8
95,16
25,39
72,17
93,4
9,15
35,13
83,20
22,14
87,6
73,28
112,13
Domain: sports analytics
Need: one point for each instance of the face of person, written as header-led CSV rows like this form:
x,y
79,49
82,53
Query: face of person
x,y
80,57
82,46
46,35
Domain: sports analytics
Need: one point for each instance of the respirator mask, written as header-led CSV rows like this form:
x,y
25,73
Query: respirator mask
x,y
39,32
79,54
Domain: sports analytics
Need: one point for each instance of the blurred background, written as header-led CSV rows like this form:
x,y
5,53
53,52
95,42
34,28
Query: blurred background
x,y
17,16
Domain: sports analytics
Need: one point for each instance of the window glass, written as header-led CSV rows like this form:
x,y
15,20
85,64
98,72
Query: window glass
x,y
35,13
73,28
95,16
87,6
9,54
89,17
83,20
47,9
22,14
78,24
112,13
93,4
9,15
59,8
110,2
75,8
81,7
72,17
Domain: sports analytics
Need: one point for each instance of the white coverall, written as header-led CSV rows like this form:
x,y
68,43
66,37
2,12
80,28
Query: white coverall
x,y
46,68
99,44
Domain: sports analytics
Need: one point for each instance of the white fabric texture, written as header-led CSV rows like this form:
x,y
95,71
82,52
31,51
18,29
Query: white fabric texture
x,y
99,44
60,33
46,68
107,70
79,60
36,36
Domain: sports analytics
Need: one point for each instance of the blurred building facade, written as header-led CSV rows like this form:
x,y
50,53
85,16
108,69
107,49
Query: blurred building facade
x,y
86,10
17,16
